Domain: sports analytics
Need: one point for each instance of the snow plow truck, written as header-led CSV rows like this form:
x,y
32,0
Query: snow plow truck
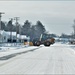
x,y
44,39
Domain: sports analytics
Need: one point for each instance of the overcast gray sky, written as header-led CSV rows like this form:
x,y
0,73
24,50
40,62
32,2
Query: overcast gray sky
x,y
56,16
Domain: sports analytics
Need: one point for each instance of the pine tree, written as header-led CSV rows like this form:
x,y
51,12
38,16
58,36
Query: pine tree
x,y
26,28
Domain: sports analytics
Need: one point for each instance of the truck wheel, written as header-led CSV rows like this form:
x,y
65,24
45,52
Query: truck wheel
x,y
34,43
38,43
47,43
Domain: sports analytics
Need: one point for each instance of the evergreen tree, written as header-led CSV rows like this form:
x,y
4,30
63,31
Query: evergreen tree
x,y
26,28
40,29
33,33
9,26
3,26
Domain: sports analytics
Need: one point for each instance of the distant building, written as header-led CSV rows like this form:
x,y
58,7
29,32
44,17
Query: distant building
x,y
5,35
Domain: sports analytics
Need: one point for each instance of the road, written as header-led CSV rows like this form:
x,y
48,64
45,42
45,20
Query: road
x,y
56,59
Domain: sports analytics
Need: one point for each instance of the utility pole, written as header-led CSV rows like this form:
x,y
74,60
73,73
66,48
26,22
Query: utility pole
x,y
0,24
74,29
16,18
20,33
11,19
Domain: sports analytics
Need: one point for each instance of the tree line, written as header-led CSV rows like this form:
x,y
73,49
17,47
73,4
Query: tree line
x,y
28,29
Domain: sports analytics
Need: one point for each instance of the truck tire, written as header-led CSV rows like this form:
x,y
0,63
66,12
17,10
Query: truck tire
x,y
47,43
38,43
34,44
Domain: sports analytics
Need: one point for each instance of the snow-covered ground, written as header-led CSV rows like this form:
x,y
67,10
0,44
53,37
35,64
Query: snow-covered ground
x,y
11,46
72,46
14,48
56,59
68,44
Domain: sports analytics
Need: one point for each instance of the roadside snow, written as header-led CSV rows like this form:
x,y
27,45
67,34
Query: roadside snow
x,y
71,46
4,51
10,46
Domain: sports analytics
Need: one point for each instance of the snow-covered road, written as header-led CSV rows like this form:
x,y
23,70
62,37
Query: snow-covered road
x,y
56,59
